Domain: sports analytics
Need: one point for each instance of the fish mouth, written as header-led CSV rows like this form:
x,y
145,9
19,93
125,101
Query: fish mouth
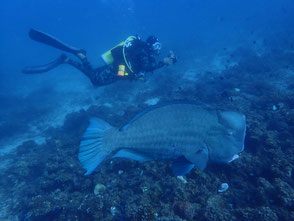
x,y
235,157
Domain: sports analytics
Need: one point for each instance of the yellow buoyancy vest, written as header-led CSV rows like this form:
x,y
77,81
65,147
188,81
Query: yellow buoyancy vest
x,y
108,58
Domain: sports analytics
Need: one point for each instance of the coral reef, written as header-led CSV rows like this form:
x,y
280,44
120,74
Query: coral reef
x,y
46,181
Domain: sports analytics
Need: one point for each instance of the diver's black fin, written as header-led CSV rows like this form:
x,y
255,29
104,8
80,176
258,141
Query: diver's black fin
x,y
46,67
52,41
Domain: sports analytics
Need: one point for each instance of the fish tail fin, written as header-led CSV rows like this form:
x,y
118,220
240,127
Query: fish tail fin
x,y
92,152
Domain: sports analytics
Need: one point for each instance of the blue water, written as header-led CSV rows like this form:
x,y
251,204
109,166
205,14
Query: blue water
x,y
191,28
209,38
187,26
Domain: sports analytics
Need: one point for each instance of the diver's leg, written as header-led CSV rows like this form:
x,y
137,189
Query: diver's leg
x,y
45,68
83,66
102,76
98,76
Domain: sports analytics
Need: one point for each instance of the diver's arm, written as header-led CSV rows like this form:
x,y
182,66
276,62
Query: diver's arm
x,y
155,66
165,62
169,60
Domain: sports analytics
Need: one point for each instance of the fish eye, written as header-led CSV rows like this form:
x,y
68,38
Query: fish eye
x,y
230,133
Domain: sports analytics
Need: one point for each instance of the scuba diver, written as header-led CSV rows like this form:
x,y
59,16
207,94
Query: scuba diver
x,y
130,59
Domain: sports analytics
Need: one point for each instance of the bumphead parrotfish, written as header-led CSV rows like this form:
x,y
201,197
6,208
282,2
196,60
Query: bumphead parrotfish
x,y
190,134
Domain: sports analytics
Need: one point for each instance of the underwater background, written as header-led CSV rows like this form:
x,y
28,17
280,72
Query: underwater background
x,y
232,55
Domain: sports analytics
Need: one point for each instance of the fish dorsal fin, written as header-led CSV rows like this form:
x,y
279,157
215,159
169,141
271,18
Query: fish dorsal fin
x,y
199,158
153,107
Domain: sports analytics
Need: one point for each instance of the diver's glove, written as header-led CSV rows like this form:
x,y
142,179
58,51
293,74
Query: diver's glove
x,y
170,59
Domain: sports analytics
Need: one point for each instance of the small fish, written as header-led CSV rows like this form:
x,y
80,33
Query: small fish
x,y
190,134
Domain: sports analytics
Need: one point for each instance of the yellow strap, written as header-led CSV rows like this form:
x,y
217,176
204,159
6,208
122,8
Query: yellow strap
x,y
124,55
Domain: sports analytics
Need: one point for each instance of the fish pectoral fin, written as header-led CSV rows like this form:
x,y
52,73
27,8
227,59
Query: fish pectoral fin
x,y
124,153
199,158
182,166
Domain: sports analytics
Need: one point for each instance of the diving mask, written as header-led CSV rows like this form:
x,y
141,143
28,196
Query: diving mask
x,y
156,47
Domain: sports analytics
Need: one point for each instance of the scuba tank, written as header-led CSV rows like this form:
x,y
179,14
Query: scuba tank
x,y
108,57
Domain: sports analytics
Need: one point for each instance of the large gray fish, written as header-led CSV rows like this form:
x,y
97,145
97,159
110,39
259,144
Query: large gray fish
x,y
190,134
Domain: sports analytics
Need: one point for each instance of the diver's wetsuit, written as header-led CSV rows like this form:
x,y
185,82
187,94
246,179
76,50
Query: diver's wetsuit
x,y
98,76
139,56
